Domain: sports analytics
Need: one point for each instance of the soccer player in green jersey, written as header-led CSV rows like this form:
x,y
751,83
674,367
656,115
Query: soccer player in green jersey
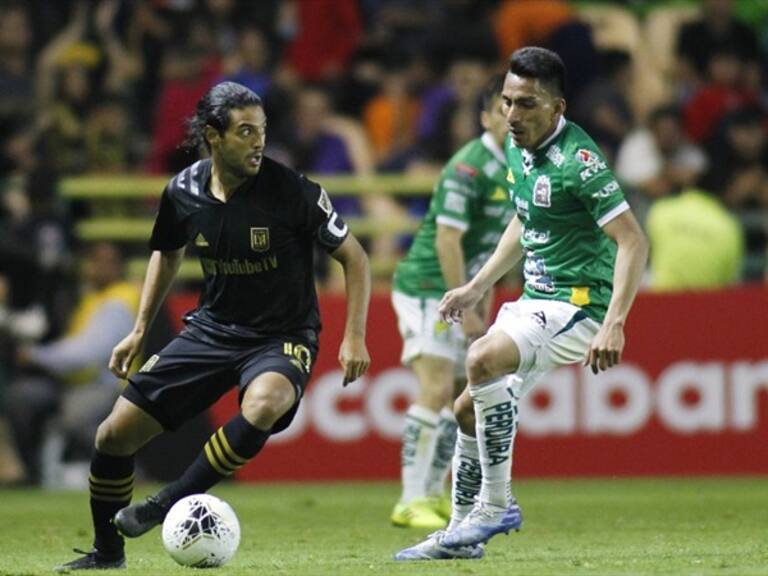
x,y
584,258
469,210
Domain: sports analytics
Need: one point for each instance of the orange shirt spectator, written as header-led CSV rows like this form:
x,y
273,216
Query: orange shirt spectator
x,y
520,23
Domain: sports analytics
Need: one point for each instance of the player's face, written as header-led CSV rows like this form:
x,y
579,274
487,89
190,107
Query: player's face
x,y
531,112
241,148
494,121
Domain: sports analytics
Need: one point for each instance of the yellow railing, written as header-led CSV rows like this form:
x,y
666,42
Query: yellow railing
x,y
122,194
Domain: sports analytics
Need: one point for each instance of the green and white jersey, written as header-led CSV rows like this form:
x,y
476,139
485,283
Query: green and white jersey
x,y
564,193
470,195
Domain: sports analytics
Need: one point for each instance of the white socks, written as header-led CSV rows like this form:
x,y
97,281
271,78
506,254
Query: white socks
x,y
496,423
443,455
467,478
419,441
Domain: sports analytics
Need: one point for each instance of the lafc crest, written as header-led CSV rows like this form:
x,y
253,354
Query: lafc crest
x,y
259,239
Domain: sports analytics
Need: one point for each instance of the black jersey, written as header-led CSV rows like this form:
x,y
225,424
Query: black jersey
x,y
256,249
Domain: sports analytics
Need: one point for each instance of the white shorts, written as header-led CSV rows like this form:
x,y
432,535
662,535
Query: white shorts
x,y
423,331
548,333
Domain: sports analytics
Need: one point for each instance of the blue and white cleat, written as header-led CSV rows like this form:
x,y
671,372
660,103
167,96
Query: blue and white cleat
x,y
433,549
482,523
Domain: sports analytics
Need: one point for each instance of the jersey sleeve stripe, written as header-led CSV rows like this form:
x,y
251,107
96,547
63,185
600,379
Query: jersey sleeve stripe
x,y
452,222
193,180
611,214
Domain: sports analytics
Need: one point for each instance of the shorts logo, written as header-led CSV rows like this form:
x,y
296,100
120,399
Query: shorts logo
x,y
149,363
259,239
542,191
302,357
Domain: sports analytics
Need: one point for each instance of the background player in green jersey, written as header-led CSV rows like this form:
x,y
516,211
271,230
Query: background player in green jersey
x,y
468,213
584,258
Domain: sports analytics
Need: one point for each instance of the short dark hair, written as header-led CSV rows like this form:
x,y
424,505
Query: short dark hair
x,y
213,110
540,64
492,90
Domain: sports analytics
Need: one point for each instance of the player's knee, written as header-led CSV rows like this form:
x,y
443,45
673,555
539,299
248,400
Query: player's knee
x,y
112,439
263,410
480,364
464,412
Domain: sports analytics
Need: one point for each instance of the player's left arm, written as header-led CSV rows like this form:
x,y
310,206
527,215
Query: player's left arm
x,y
607,346
353,353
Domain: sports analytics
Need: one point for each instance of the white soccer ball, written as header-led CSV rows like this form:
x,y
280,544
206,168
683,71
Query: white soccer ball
x,y
201,531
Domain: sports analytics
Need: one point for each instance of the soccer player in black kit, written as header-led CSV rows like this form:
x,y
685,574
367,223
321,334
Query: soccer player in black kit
x,y
253,223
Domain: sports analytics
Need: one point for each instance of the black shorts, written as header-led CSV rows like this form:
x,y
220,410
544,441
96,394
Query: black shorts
x,y
191,373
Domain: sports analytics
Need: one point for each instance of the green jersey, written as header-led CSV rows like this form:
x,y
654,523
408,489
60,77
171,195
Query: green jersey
x,y
563,193
471,195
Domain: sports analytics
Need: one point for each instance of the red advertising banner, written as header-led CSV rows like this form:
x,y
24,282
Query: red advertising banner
x,y
690,397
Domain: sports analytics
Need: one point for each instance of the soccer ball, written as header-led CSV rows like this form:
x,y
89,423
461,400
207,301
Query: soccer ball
x,y
201,531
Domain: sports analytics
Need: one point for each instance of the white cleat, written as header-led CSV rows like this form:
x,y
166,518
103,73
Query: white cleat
x,y
433,549
482,523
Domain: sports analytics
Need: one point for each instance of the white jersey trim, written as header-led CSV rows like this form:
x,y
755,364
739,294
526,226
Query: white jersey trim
x,y
493,147
452,222
611,214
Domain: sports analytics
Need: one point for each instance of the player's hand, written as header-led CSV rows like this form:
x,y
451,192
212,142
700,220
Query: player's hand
x,y
354,358
473,325
454,302
606,348
124,353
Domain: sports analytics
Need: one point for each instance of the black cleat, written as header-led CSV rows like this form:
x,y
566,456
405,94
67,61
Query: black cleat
x,y
135,520
93,560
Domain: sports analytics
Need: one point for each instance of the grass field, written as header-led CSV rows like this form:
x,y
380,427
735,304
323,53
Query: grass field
x,y
595,527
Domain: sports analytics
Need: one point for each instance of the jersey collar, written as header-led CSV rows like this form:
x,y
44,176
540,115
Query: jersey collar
x,y
555,134
493,147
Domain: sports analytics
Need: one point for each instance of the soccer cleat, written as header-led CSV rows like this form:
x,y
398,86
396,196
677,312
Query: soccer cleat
x,y
135,520
441,505
482,523
433,549
93,560
418,513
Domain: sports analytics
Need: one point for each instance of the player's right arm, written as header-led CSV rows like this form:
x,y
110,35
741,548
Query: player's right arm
x,y
508,252
161,271
168,243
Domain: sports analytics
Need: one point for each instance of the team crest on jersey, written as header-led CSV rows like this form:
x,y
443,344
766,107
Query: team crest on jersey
x,y
587,157
259,239
510,176
542,192
325,202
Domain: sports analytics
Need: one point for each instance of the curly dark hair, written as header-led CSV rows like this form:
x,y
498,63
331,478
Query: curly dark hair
x,y
213,110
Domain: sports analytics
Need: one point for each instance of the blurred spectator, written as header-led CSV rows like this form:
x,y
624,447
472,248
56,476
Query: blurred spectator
x,y
521,23
723,90
695,243
391,118
658,160
738,171
69,68
553,24
715,32
16,66
109,140
12,470
603,108
248,64
323,36
450,111
190,67
69,379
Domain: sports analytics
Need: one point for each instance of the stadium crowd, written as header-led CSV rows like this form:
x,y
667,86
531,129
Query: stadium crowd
x,y
674,93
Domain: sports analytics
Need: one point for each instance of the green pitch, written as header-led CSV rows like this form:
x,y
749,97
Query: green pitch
x,y
595,527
